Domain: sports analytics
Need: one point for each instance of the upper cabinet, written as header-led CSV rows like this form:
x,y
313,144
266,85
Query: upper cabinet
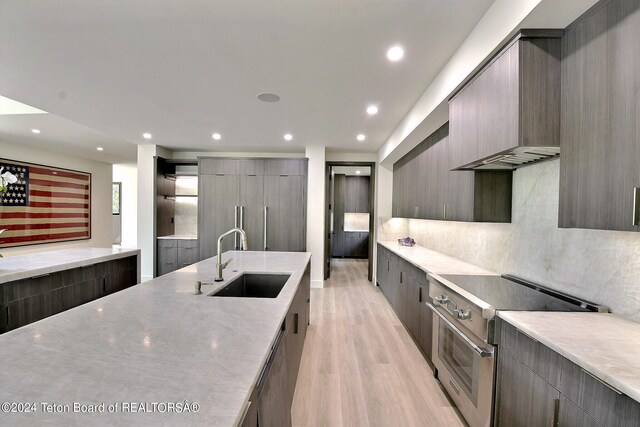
x,y
600,162
356,194
425,187
508,113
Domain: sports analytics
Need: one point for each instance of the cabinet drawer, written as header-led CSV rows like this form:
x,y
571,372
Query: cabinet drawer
x,y
602,402
187,244
538,357
167,243
215,166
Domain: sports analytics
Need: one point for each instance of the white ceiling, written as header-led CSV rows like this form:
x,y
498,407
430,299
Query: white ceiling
x,y
182,70
351,170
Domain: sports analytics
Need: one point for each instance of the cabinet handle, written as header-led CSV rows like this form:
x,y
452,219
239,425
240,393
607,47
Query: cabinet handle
x,y
556,412
420,294
612,388
235,225
444,211
241,224
401,277
265,229
636,202
295,323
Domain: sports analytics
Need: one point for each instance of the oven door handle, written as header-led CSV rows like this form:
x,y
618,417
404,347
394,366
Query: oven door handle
x,y
482,352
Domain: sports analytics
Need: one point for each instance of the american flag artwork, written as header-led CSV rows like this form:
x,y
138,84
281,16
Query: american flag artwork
x,y
45,205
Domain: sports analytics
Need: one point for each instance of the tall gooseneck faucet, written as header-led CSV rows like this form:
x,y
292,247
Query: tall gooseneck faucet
x,y
243,245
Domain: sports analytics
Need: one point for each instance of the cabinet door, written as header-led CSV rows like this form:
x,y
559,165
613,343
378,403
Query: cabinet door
x,y
426,320
350,194
252,210
187,252
274,408
218,165
167,256
338,243
285,209
600,132
217,202
572,416
412,306
524,399
363,194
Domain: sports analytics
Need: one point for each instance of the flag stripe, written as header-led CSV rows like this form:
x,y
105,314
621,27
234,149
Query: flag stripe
x,y
58,184
58,205
13,209
14,227
59,194
41,215
66,190
57,200
58,172
60,236
38,233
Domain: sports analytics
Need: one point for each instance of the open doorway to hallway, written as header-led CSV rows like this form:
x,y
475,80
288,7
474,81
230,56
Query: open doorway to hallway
x,y
349,213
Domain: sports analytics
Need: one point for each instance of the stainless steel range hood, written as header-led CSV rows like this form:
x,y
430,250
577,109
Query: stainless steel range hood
x,y
512,159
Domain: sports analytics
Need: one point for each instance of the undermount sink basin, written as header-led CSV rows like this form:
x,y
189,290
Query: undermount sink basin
x,y
254,285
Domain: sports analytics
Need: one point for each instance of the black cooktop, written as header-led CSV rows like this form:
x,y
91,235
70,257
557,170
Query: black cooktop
x,y
512,293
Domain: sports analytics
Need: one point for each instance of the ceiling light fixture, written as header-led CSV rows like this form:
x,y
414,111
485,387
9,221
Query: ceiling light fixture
x,y
146,135
372,109
268,97
100,149
395,53
361,137
288,137
216,136
357,172
36,131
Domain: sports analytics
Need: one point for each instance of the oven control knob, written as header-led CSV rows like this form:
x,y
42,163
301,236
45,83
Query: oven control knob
x,y
442,299
464,314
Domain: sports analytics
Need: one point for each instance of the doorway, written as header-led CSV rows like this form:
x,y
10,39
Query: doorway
x,y
349,213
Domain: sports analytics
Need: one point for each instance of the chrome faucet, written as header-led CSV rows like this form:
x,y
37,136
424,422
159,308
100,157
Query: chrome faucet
x,y
243,245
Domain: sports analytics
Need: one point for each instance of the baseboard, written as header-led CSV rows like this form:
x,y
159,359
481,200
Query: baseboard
x,y
317,283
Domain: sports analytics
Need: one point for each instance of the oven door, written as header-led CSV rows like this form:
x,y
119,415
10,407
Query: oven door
x,y
465,369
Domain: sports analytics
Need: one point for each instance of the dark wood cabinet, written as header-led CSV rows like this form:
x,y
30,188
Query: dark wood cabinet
x,y
356,192
425,187
406,288
29,300
600,161
174,254
524,398
253,193
526,367
277,382
512,101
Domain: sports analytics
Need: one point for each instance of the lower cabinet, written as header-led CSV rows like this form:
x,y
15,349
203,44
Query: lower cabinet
x,y
406,288
28,300
537,386
273,395
174,254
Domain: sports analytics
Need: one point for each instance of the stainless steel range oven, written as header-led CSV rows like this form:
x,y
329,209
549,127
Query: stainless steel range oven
x,y
464,351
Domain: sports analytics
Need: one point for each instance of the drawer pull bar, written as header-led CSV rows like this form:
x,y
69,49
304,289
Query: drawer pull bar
x,y
615,390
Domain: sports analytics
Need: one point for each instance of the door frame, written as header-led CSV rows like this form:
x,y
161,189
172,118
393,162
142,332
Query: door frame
x,y
372,195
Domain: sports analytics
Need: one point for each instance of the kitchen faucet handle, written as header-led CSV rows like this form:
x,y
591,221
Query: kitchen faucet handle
x,y
226,263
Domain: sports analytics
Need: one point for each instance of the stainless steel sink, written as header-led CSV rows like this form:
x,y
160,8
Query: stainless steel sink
x,y
254,285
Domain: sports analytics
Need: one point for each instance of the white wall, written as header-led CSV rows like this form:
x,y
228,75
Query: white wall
x,y
601,266
127,174
316,212
100,194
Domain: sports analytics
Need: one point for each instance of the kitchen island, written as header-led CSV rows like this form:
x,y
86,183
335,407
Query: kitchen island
x,y
152,349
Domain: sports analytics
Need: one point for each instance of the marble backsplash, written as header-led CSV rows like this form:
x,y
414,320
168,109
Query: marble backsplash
x,y
601,266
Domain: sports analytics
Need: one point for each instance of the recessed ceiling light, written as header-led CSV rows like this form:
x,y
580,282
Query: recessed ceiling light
x,y
100,149
216,136
372,109
288,137
268,97
361,137
395,53
146,135
35,130
358,172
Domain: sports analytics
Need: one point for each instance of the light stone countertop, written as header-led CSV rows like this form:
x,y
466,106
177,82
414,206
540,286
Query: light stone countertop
x,y
434,262
178,237
29,265
606,345
153,342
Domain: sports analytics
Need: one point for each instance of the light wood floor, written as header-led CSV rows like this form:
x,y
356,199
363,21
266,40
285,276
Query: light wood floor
x,y
359,366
